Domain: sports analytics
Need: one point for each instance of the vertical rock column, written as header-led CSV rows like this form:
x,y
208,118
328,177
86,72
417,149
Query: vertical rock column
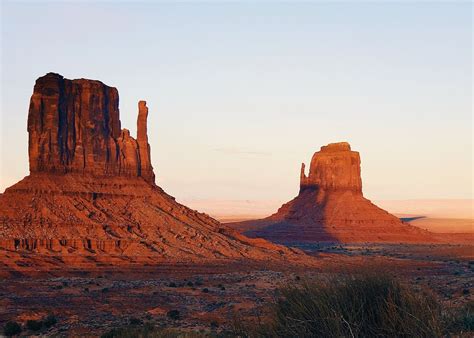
x,y
145,168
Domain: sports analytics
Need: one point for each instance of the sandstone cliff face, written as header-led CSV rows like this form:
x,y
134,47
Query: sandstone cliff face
x,y
334,168
74,126
330,207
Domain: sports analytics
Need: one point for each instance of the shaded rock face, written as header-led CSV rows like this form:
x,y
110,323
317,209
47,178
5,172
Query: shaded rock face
x,y
146,170
91,201
74,126
330,207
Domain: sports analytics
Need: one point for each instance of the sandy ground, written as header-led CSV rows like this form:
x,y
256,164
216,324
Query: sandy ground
x,y
436,208
436,225
436,215
432,208
442,225
213,299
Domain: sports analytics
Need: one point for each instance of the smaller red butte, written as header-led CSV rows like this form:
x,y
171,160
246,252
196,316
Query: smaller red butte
x,y
330,207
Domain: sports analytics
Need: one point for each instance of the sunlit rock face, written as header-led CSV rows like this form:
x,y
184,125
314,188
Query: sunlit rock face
x,y
74,126
334,168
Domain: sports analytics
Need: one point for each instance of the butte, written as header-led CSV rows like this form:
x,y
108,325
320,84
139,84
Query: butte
x,y
330,207
91,200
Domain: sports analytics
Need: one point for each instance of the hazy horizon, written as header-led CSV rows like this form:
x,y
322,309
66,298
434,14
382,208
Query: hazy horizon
x,y
240,94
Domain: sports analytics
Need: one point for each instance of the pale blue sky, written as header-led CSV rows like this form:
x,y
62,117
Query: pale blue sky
x,y
241,93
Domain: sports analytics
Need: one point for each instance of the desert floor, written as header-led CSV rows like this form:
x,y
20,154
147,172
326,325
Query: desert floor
x,y
211,299
441,225
436,215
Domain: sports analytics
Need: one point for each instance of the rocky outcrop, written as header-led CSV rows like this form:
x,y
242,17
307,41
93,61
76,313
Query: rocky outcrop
x,y
74,126
330,207
334,168
91,198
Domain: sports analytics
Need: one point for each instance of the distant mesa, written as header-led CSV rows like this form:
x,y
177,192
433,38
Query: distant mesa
x,y
91,199
330,207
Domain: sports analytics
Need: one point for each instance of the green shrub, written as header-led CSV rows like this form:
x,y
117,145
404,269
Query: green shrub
x,y
49,321
135,321
369,305
11,329
34,325
174,314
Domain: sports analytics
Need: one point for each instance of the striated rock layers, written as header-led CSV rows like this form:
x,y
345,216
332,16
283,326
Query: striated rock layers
x,y
91,199
330,207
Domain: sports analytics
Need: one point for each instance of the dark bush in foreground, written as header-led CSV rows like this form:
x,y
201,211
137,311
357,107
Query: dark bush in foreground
x,y
150,331
34,325
49,321
11,329
135,321
174,314
355,306
37,325
461,320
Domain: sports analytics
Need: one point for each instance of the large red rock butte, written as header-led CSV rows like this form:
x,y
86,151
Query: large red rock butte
x,y
91,197
330,207
74,126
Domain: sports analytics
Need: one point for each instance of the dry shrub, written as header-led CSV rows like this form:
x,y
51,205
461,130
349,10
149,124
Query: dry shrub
x,y
461,321
363,305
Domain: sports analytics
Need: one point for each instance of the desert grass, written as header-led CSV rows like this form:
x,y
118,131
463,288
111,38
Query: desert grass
x,y
357,305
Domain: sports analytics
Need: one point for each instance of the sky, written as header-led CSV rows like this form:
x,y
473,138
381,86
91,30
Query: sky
x,y
239,94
